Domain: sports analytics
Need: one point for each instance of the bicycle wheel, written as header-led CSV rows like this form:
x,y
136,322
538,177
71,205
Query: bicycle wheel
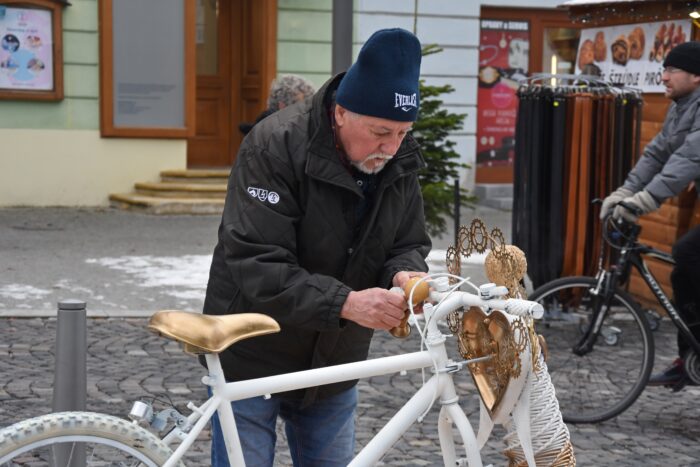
x,y
599,384
60,438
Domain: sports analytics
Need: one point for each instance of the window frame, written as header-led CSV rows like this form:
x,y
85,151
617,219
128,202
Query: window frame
x,y
107,126
55,94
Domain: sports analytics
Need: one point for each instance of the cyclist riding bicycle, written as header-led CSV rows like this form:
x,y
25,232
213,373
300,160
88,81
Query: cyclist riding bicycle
x,y
670,162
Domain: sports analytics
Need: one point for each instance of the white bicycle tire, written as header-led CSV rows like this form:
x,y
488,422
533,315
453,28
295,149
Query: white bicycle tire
x,y
84,427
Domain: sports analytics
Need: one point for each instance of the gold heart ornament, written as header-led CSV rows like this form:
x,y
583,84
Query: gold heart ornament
x,y
505,339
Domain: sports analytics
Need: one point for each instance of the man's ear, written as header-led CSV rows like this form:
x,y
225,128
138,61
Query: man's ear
x,y
340,115
696,80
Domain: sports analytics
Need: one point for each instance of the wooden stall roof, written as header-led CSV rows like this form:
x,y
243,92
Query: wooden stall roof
x,y
610,12
571,3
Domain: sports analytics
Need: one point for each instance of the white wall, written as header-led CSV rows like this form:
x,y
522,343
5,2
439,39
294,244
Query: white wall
x,y
78,167
454,26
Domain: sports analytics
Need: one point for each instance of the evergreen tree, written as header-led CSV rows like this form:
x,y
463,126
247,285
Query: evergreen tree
x,y
431,130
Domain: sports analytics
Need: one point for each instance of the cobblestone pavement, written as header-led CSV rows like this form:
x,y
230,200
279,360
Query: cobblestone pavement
x,y
126,363
120,262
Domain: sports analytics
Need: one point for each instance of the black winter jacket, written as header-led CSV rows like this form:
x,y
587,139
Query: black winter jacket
x,y
288,245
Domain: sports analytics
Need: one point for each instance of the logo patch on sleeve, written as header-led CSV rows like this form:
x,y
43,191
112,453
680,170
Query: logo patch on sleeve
x,y
264,195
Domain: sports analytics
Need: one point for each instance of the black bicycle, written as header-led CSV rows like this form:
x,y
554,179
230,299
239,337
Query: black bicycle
x,y
600,344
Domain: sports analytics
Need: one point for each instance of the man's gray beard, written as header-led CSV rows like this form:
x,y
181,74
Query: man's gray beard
x,y
364,169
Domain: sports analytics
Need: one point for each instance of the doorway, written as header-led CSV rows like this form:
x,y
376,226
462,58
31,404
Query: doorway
x,y
514,44
235,58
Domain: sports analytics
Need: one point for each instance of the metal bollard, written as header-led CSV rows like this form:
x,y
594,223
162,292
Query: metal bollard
x,y
457,206
70,374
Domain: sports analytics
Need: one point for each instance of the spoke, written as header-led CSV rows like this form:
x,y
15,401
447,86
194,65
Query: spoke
x,y
589,386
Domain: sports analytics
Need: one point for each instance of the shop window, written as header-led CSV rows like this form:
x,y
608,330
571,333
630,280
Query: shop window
x,y
147,68
31,59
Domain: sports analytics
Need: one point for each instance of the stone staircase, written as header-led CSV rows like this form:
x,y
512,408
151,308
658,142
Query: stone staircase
x,y
495,195
194,191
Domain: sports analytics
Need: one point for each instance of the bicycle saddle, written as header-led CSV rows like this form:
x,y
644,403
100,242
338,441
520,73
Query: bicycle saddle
x,y
202,334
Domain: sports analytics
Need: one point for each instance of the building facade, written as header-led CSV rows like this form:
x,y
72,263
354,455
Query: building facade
x,y
63,153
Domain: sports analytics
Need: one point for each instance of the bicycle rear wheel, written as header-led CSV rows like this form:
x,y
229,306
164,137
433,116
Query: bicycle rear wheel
x,y
58,439
605,381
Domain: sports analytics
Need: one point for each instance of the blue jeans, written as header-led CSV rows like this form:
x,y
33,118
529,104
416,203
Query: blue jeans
x,y
322,434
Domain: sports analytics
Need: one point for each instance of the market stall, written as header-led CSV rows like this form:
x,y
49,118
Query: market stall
x,y
623,44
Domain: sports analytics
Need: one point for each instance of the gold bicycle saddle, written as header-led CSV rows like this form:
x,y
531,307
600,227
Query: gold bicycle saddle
x,y
202,334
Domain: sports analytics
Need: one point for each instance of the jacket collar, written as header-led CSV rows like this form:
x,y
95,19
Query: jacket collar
x,y
685,100
323,162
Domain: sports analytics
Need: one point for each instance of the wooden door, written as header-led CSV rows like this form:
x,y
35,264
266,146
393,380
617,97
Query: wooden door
x,y
236,51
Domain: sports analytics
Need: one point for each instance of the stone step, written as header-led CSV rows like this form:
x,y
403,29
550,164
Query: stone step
x,y
200,176
502,203
495,195
163,205
493,190
181,190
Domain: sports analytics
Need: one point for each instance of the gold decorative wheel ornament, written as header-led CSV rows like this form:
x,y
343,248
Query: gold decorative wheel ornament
x,y
517,353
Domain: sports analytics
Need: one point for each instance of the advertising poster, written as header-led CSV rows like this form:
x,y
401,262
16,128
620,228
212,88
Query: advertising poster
x,y
631,55
26,49
504,53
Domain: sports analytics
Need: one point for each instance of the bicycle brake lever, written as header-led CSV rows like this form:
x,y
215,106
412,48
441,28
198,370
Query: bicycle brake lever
x,y
633,209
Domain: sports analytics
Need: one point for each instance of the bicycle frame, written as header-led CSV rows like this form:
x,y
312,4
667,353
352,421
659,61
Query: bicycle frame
x,y
439,387
637,261
631,255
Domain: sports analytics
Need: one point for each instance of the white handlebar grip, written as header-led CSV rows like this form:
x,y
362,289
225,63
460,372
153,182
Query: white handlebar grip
x,y
518,307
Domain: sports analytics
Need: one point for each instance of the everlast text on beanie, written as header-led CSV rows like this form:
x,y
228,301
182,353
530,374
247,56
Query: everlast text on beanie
x,y
383,82
685,56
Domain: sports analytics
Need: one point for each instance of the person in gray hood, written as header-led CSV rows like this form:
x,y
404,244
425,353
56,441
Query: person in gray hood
x,y
323,215
671,161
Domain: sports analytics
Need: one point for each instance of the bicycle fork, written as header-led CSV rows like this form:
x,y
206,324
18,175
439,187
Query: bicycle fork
x,y
601,297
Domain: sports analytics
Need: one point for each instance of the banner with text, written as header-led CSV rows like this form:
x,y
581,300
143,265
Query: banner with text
x,y
504,54
632,54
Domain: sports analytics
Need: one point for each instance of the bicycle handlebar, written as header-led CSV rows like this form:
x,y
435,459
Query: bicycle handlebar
x,y
451,300
514,306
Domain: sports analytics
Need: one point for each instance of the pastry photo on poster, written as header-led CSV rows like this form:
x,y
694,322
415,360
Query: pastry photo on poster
x,y
630,55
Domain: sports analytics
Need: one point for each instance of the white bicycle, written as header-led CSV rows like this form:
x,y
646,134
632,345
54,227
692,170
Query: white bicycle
x,y
505,349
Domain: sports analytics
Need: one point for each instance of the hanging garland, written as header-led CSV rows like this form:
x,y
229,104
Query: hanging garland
x,y
632,12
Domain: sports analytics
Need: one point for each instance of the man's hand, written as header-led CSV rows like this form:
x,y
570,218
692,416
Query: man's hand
x,y
642,201
401,277
612,199
374,308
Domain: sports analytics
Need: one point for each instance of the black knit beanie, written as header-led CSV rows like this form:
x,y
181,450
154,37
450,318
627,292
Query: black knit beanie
x,y
685,56
383,82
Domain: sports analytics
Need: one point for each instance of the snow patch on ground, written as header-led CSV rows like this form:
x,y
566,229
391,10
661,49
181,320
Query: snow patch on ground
x,y
184,277
22,292
437,261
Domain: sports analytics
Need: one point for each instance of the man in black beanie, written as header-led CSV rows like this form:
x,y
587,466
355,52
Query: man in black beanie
x,y
323,215
671,161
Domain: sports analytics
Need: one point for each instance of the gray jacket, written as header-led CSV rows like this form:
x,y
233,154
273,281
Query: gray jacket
x,y
672,159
